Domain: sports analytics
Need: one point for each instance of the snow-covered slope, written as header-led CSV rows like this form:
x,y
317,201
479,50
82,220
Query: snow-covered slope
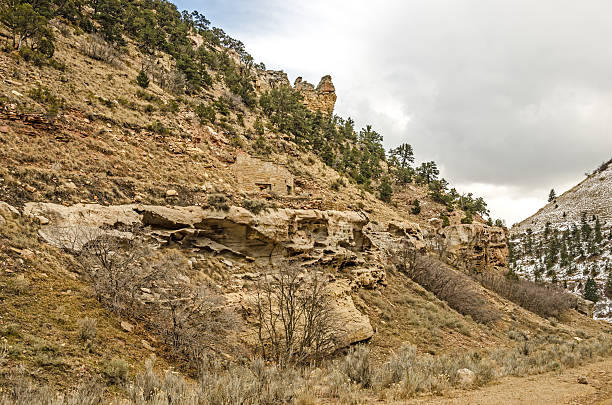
x,y
569,241
593,195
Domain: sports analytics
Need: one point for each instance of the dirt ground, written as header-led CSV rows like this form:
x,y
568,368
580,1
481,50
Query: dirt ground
x,y
550,388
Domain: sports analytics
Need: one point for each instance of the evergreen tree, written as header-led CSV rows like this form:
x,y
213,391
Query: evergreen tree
x,y
608,289
26,25
468,218
445,221
402,156
428,172
591,292
416,207
384,189
598,234
552,195
142,79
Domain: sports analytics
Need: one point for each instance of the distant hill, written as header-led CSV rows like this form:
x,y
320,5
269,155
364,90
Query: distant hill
x,y
569,240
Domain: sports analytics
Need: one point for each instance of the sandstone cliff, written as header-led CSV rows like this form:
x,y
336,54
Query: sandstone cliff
x,y
346,242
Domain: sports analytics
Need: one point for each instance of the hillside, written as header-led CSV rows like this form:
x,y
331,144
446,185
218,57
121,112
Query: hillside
x,y
162,195
569,241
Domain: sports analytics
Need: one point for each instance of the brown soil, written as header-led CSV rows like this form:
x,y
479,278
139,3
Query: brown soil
x,y
550,388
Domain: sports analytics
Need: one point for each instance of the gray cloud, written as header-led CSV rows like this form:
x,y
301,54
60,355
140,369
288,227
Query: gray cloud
x,y
511,97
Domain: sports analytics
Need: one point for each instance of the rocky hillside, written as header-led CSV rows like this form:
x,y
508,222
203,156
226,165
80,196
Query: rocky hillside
x,y
163,194
569,241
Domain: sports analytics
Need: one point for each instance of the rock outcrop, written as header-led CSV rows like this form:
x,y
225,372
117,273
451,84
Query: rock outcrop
x,y
322,98
345,241
315,237
271,79
479,245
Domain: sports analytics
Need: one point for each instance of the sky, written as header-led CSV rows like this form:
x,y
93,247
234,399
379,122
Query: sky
x,y
511,98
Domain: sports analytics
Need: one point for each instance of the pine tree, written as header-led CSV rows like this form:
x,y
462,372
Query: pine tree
x,y
608,289
552,195
142,79
385,191
402,156
590,290
445,221
598,234
416,207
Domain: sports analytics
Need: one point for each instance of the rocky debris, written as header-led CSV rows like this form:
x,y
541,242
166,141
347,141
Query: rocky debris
x,y
8,209
465,377
126,326
322,98
147,346
36,121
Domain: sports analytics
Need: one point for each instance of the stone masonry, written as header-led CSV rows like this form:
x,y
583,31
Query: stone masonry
x,y
256,175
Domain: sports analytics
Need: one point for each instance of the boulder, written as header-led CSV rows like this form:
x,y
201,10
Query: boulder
x,y
584,306
126,326
8,209
465,377
171,193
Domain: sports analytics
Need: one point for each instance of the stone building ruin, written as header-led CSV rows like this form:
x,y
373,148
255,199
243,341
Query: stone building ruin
x,y
258,176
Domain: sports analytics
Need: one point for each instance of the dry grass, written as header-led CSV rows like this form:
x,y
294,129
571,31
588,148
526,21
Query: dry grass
x,y
40,326
351,380
457,289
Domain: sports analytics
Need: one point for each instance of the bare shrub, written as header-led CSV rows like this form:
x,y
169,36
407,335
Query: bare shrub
x,y
97,48
87,328
456,288
193,320
117,370
170,79
544,300
356,365
115,268
294,316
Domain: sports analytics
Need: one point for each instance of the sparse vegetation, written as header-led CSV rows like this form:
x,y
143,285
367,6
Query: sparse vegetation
x,y
456,288
544,300
294,316
255,206
218,202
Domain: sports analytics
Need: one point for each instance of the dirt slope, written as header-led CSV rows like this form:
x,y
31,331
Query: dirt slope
x,y
550,388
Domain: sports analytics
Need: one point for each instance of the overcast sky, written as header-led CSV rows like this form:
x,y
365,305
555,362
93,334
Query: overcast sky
x,y
511,98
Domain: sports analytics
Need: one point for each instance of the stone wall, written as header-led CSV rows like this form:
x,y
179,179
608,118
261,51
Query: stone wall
x,y
256,175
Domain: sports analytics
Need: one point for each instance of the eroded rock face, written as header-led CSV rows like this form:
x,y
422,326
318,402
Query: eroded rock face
x,y
271,79
326,237
322,98
483,246
345,241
